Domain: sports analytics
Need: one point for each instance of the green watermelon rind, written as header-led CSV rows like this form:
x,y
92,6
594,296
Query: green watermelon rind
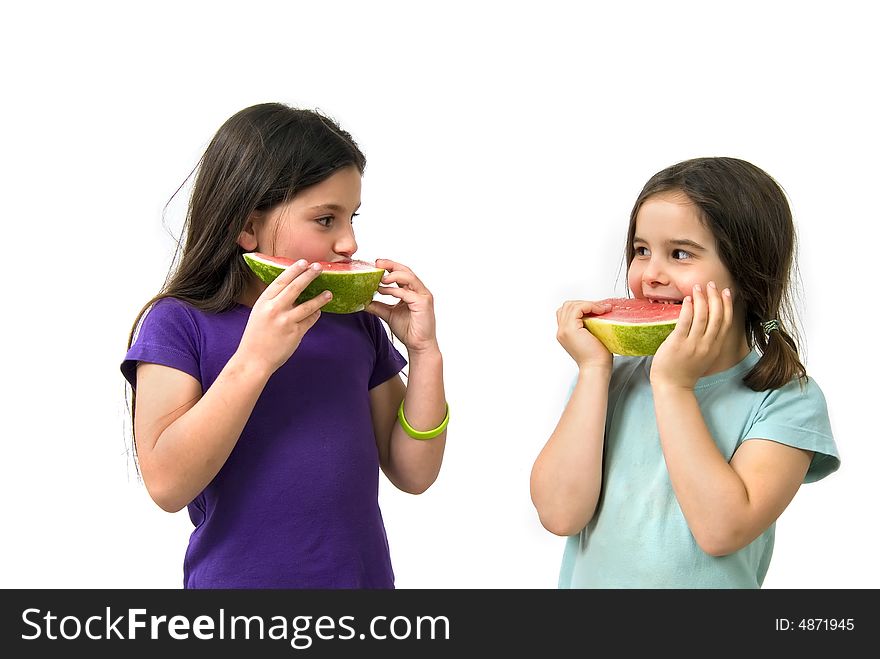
x,y
629,339
352,291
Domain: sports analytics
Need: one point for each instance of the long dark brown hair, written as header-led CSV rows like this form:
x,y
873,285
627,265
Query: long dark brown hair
x,y
748,214
261,157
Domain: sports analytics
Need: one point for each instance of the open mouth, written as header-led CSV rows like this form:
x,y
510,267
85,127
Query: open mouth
x,y
663,301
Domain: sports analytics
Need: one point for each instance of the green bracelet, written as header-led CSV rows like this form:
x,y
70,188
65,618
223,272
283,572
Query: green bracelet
x,y
418,434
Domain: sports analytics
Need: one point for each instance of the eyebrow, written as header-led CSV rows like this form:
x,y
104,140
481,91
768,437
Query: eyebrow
x,y
330,207
677,242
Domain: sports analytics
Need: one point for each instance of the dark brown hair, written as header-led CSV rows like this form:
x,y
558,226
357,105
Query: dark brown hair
x,y
748,214
259,158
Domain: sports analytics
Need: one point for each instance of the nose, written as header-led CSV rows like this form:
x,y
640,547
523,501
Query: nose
x,y
654,274
346,245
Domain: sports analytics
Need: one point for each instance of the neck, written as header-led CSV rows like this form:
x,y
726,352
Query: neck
x,y
733,352
252,291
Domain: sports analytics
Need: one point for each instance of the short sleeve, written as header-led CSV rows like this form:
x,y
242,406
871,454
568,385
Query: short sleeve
x,y
389,361
797,416
168,335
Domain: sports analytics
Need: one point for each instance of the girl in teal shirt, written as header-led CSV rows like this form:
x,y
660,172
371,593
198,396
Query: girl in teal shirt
x,y
669,471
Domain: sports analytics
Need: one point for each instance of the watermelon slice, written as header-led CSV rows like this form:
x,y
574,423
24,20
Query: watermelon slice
x,y
353,283
633,326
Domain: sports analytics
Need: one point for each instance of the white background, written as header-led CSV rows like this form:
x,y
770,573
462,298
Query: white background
x,y
506,142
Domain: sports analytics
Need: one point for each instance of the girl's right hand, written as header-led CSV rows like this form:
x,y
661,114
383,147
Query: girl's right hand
x,y
584,348
277,324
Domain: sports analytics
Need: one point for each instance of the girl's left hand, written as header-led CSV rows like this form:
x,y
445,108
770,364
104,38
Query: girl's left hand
x,y
696,342
412,319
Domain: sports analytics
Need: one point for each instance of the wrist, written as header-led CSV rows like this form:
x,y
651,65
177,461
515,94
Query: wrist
x,y
596,369
661,387
427,353
248,368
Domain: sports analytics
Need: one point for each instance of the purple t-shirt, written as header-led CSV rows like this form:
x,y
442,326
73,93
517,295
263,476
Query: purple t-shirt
x,y
296,503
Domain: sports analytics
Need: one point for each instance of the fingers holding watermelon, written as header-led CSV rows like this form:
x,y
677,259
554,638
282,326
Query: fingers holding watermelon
x,y
411,319
288,287
397,273
292,280
277,324
575,338
698,339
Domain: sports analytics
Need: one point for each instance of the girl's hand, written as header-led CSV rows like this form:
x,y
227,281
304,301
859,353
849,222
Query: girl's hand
x,y
584,348
696,342
277,324
412,319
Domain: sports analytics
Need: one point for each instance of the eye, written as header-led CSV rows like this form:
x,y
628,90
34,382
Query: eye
x,y
680,254
641,250
325,221
354,215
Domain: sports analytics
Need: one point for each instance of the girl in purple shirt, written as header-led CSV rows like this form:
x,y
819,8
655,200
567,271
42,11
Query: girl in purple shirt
x,y
270,420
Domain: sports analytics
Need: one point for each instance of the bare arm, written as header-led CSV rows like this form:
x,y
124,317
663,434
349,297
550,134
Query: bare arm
x,y
567,476
726,505
412,465
183,437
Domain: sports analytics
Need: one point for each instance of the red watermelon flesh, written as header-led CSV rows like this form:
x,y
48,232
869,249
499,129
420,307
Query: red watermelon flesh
x,y
348,265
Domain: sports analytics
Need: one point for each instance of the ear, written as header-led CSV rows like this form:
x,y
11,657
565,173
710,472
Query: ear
x,y
247,239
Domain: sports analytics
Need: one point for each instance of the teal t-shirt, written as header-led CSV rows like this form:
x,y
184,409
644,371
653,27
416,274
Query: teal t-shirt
x,y
638,537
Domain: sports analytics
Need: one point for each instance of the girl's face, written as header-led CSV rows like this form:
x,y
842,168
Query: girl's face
x,y
674,250
316,225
